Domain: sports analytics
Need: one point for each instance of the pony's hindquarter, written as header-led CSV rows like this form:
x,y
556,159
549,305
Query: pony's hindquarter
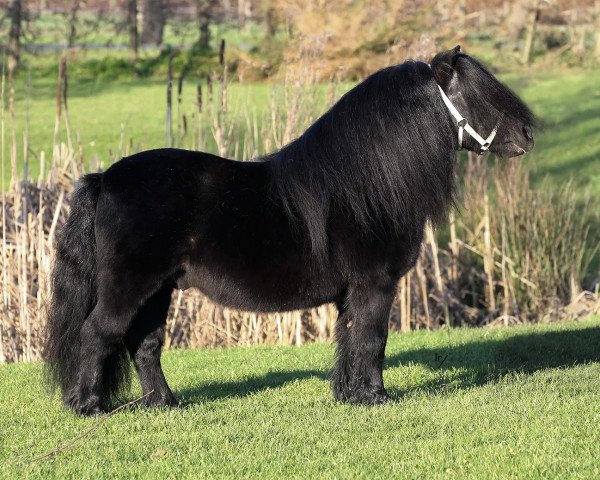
x,y
73,290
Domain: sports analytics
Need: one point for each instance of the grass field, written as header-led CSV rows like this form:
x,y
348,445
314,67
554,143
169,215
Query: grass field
x,y
568,103
514,402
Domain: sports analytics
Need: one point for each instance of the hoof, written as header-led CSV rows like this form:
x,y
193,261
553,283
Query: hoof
x,y
83,405
370,397
162,400
381,398
363,396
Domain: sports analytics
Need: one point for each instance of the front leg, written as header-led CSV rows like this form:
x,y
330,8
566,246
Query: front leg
x,y
361,334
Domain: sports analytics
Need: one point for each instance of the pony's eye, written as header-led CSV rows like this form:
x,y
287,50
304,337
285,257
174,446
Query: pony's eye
x,y
528,132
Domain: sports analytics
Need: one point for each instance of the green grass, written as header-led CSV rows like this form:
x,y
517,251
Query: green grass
x,y
513,402
569,147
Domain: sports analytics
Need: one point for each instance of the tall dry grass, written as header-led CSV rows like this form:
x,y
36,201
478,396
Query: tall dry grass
x,y
510,255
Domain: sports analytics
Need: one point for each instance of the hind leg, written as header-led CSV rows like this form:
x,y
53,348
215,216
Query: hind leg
x,y
101,353
144,340
361,333
103,359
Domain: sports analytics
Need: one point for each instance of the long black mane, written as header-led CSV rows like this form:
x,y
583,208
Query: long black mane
x,y
384,154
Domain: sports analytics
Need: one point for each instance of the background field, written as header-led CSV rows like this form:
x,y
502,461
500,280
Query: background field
x,y
517,402
110,117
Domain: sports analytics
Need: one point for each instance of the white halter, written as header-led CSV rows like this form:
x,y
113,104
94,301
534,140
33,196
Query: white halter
x,y
463,125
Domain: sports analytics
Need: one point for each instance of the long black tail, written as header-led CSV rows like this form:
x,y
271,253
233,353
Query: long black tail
x,y
73,294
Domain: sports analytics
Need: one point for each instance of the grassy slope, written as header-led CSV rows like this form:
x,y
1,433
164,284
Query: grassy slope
x,y
507,402
569,105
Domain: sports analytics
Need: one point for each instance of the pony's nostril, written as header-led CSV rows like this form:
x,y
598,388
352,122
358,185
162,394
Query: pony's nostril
x,y
528,132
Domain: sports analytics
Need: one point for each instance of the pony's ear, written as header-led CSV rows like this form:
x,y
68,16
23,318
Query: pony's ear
x,y
443,65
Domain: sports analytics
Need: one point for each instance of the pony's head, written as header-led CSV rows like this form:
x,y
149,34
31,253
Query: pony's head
x,y
498,116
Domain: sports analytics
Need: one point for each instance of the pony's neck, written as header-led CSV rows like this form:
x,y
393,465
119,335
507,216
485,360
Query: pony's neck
x,y
384,155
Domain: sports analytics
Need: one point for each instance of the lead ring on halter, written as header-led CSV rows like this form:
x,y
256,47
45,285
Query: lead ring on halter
x,y
463,125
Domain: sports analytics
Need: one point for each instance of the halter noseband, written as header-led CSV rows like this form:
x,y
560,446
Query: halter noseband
x,y
463,125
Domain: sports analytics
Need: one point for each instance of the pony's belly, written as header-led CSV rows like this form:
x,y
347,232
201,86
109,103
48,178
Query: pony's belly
x,y
259,291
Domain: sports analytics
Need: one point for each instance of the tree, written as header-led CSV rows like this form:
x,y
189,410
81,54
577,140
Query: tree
x,y
244,11
205,10
73,10
154,19
271,13
132,11
597,29
14,37
533,16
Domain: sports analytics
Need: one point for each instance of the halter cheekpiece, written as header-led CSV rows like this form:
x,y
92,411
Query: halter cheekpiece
x,y
463,125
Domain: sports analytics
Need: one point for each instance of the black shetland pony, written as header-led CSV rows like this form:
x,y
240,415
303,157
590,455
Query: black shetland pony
x,y
335,216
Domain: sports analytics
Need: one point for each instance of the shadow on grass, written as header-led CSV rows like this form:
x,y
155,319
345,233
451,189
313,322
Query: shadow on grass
x,y
479,362
243,388
487,361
